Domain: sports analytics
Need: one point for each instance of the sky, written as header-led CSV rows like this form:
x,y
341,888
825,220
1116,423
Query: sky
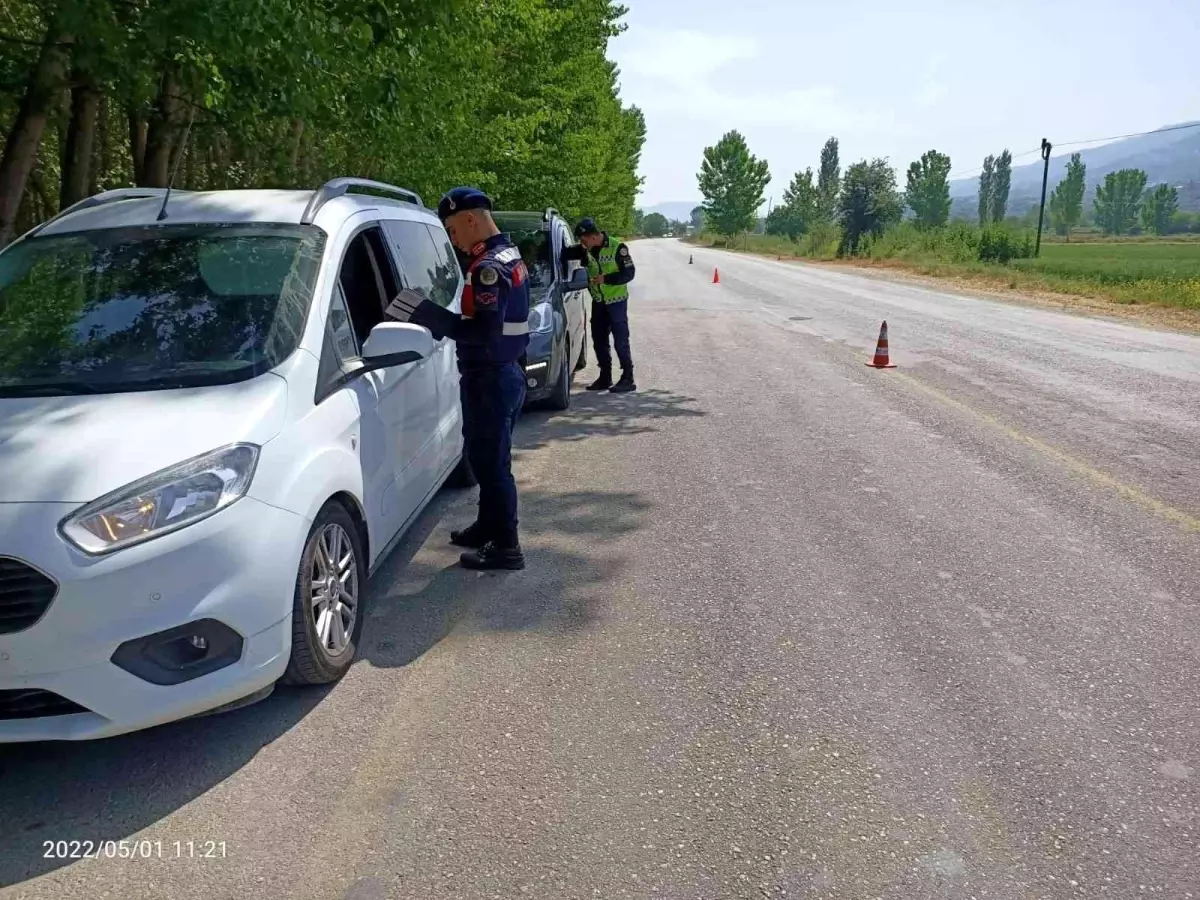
x,y
965,77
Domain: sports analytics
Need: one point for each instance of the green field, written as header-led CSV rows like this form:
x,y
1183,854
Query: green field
x,y
1159,272
1148,272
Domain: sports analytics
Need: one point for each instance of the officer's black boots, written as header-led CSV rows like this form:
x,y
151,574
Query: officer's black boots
x,y
472,537
603,383
493,556
624,385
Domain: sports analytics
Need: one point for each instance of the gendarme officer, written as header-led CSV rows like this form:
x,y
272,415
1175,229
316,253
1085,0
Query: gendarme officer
x,y
491,337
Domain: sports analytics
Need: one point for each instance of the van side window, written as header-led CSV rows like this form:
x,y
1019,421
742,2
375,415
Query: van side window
x,y
424,265
368,281
449,273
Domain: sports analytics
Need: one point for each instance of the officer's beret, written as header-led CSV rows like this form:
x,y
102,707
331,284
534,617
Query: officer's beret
x,y
460,199
586,226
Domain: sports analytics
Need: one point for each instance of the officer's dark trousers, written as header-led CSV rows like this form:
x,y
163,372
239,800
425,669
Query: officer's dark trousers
x,y
492,397
611,319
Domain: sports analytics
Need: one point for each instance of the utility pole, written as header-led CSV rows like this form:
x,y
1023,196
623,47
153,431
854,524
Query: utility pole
x,y
1046,146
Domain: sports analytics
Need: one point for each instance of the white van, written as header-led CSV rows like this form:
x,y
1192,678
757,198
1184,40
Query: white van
x,y
208,438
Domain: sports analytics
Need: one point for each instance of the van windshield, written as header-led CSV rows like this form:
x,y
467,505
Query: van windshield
x,y
146,308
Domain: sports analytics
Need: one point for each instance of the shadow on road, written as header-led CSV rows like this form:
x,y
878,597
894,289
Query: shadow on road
x,y
603,415
112,789
419,598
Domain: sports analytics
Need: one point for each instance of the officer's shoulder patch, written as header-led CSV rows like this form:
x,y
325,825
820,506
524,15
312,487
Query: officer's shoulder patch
x,y
624,251
488,275
508,255
485,298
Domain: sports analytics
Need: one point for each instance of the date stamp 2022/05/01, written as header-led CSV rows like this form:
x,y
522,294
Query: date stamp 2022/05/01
x,y
133,849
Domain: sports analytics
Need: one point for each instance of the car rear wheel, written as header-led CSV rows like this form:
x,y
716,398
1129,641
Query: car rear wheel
x,y
560,397
327,611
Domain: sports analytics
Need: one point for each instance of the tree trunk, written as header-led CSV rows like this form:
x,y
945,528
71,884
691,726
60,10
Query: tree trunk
x,y
189,163
77,148
25,136
160,135
99,167
297,139
137,143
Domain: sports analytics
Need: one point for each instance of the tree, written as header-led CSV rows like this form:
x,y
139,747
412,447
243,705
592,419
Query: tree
x,y
1001,182
796,213
697,217
828,181
732,182
1119,200
927,191
655,225
287,93
868,203
1066,201
986,179
1159,209
639,221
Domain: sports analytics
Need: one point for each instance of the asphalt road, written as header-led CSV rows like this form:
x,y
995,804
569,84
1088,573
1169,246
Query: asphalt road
x,y
791,627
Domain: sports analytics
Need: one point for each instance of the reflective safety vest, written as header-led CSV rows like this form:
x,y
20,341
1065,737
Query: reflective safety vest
x,y
607,265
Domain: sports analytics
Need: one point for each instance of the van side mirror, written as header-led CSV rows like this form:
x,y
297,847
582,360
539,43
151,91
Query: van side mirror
x,y
396,344
578,279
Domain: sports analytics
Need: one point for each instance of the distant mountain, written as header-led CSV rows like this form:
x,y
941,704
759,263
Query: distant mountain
x,y
674,210
1172,157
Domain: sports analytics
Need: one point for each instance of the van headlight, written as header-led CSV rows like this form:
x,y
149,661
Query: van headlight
x,y
163,502
541,318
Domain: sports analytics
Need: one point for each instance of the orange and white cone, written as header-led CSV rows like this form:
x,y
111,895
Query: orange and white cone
x,y
882,360
716,277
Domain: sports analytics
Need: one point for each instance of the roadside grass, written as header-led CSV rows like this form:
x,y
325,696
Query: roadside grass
x,y
1143,272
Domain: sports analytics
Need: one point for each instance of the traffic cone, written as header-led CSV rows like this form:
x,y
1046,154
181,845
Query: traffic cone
x,y
689,259
716,276
881,360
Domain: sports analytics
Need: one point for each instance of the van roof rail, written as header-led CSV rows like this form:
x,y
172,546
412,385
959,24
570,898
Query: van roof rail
x,y
113,196
336,187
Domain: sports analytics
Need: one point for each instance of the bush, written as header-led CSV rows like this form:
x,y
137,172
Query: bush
x,y
1001,244
821,241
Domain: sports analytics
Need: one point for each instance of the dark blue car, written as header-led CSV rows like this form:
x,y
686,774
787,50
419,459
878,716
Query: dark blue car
x,y
558,300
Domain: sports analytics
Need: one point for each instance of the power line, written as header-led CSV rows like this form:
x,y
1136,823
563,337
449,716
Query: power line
x,y
1119,137
966,173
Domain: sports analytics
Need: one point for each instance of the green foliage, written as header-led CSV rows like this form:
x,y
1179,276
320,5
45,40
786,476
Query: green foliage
x,y
732,182
655,225
799,208
958,242
1184,223
822,241
697,221
928,189
986,179
287,93
1066,200
1158,208
1001,183
828,181
639,219
1000,244
1118,201
868,202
